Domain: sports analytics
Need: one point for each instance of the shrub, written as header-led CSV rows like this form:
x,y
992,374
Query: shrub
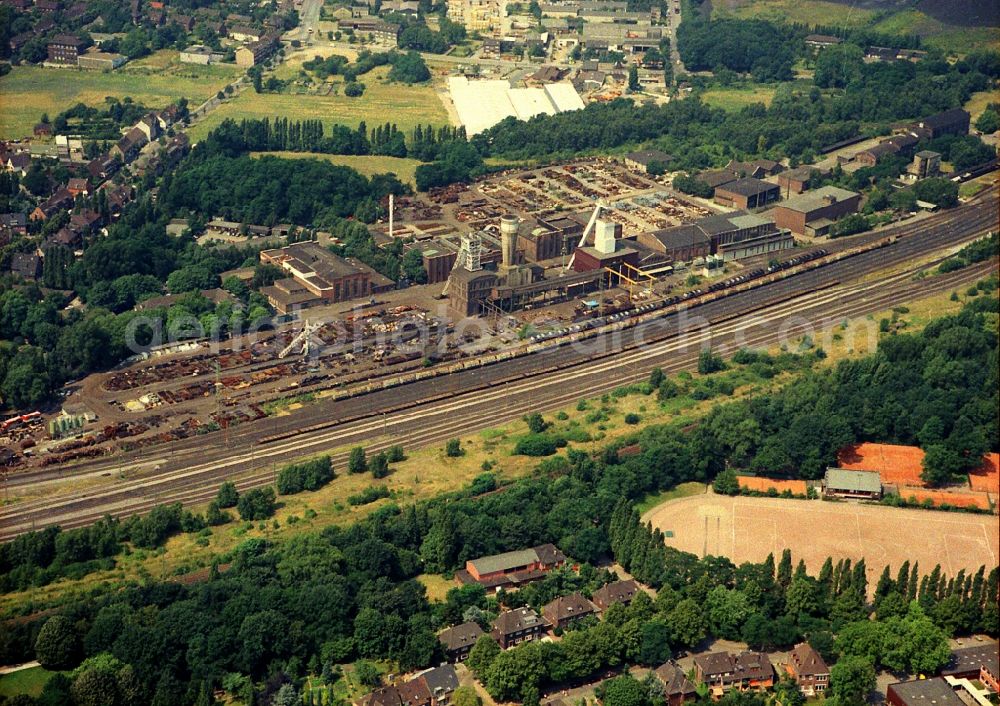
x,y
228,495
379,466
257,504
369,495
309,475
453,449
538,445
632,418
357,462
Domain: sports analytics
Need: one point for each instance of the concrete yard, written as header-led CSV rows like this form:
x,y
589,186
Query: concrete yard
x,y
747,529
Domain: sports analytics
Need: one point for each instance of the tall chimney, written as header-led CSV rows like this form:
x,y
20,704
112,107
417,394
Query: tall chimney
x,y
508,239
392,204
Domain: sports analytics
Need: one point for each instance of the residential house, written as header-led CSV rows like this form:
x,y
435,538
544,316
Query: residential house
x,y
104,167
722,672
129,146
432,687
78,186
14,223
150,126
42,130
18,163
816,42
27,266
59,201
459,640
512,627
85,222
566,610
807,668
243,33
677,688
615,592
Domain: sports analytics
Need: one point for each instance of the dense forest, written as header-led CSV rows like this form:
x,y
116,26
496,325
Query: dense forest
x,y
281,611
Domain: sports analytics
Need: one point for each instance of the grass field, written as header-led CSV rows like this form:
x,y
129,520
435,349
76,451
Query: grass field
x,y
978,102
27,681
812,12
747,529
382,102
935,32
736,98
367,164
28,91
684,490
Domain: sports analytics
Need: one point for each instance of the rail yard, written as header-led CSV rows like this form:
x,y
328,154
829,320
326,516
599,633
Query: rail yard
x,y
430,402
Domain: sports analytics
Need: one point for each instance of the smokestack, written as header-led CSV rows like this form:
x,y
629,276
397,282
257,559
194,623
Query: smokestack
x,y
508,239
391,209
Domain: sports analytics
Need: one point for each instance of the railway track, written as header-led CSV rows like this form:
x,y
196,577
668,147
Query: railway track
x,y
468,412
428,411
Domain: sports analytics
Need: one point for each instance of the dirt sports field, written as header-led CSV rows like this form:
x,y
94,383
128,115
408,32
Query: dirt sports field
x,y
747,529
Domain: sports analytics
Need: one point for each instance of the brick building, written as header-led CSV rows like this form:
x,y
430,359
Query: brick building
x,y
512,568
459,640
722,672
747,193
65,49
317,276
677,688
566,610
813,212
552,238
615,592
807,668
512,627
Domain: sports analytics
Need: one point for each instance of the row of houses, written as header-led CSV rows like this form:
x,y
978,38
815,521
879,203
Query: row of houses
x,y
512,627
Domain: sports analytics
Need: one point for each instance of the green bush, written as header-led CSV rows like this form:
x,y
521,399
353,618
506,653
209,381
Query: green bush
x,y
369,495
309,475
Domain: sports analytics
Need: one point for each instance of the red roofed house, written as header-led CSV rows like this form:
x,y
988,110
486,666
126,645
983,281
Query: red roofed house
x,y
78,186
807,668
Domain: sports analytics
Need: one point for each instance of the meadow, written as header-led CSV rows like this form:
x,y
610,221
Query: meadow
x,y
367,164
382,102
29,91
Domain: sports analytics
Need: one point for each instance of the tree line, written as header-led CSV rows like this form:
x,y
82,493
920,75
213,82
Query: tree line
x,y
281,611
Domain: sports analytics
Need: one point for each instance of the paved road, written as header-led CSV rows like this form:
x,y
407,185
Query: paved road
x,y
461,403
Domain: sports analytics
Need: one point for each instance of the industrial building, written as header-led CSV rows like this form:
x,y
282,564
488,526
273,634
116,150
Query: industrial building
x,y
813,212
734,236
551,238
317,276
641,161
473,288
608,251
439,254
926,163
481,104
950,122
100,61
747,193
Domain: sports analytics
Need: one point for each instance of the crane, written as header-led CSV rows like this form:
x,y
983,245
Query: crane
x,y
586,232
304,338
